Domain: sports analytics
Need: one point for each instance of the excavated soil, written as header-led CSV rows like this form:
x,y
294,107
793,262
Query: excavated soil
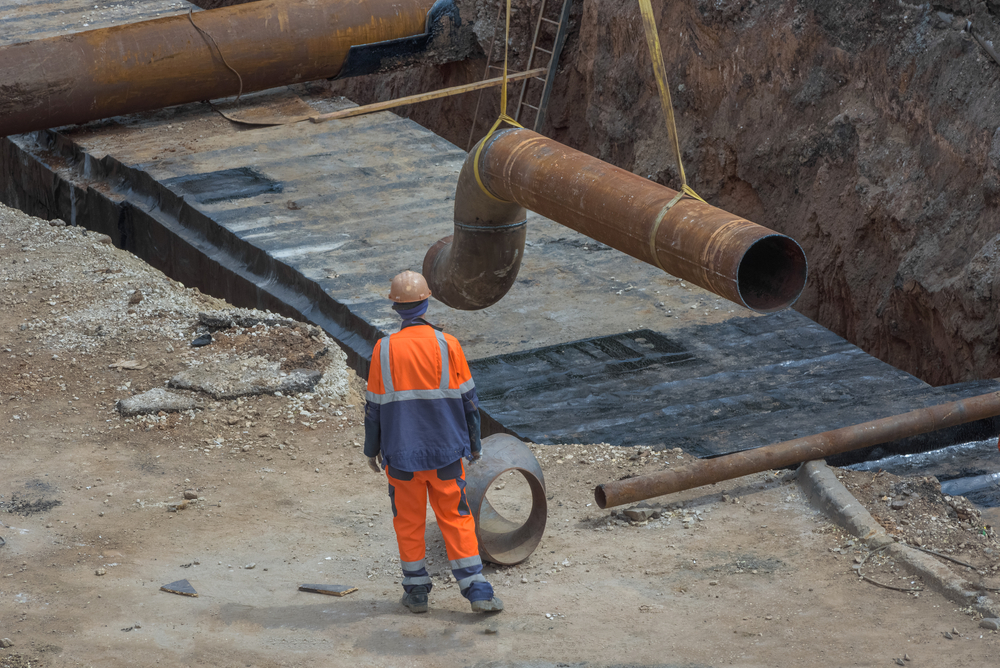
x,y
250,497
866,131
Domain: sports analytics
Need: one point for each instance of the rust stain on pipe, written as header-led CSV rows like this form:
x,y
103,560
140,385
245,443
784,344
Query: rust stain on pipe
x,y
167,61
732,257
817,446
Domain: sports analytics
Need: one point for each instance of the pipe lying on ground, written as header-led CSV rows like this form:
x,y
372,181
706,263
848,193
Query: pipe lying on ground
x,y
520,169
210,55
501,540
818,446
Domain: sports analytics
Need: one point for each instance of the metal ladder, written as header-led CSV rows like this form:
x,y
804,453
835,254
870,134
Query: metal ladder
x,y
557,41
554,34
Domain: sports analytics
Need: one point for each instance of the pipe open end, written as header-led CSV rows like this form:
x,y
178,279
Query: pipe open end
x,y
599,497
772,274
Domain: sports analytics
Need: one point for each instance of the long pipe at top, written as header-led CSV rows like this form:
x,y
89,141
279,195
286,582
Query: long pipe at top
x,y
514,170
179,59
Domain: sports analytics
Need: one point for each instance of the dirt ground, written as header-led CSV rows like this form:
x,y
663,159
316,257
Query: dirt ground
x,y
94,517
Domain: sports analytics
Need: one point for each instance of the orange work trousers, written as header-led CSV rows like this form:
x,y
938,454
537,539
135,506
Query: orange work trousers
x,y
445,488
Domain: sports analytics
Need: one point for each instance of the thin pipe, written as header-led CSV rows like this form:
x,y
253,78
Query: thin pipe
x,y
817,446
180,59
520,169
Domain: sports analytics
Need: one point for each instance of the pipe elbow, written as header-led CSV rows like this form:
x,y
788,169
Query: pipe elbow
x,y
477,264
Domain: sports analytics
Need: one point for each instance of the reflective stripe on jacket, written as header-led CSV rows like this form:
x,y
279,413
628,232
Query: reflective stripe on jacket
x,y
420,390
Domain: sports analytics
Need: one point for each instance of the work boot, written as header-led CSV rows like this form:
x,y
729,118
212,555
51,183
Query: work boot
x,y
492,605
416,599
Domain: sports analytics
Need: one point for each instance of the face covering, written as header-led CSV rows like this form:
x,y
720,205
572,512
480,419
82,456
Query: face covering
x,y
411,314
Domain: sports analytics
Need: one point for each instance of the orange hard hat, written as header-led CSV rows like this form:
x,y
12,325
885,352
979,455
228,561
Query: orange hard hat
x,y
409,286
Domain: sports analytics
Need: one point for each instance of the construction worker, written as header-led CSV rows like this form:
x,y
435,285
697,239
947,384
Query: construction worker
x,y
421,421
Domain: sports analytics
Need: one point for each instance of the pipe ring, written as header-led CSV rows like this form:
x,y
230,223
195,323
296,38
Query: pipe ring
x,y
501,540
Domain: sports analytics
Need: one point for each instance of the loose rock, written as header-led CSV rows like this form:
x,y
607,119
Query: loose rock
x,y
640,512
991,623
234,377
155,400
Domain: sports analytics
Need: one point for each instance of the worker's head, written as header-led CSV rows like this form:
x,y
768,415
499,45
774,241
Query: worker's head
x,y
409,291
409,287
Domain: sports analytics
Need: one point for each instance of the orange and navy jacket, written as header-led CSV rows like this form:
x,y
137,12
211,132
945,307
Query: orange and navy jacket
x,y
422,411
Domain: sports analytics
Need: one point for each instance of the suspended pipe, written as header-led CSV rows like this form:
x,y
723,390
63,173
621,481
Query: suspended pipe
x,y
520,169
209,55
818,446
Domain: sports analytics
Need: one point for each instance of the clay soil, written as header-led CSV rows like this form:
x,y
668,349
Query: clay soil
x,y
94,519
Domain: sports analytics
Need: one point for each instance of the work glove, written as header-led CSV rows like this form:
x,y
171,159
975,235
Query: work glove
x,y
375,463
476,456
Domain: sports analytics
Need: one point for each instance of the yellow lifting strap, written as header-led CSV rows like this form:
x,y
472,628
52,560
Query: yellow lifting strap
x,y
504,118
660,71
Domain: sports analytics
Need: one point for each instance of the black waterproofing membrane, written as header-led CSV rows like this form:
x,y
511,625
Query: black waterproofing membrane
x,y
710,389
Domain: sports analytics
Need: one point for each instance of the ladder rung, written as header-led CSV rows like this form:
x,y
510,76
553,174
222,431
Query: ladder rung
x,y
555,23
494,67
538,79
525,104
538,48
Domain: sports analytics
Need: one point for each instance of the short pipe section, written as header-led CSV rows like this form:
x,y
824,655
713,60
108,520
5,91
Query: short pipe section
x,y
501,540
732,257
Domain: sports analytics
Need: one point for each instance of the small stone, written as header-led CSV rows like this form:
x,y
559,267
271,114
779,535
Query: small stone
x,y
524,580
155,401
899,504
899,662
906,657
100,571
202,340
947,635
135,298
490,630
6,642
190,494
640,512
250,567
991,623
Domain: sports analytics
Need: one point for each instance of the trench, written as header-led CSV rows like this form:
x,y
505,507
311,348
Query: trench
x,y
824,120
800,377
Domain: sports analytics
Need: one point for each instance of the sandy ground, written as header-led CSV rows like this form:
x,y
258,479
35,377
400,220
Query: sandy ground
x,y
742,573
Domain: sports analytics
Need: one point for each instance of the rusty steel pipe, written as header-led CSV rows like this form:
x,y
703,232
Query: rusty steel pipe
x,y
734,258
817,446
167,61
501,540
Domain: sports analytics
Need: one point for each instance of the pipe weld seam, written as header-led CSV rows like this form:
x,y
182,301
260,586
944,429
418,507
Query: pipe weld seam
x,y
656,227
490,228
